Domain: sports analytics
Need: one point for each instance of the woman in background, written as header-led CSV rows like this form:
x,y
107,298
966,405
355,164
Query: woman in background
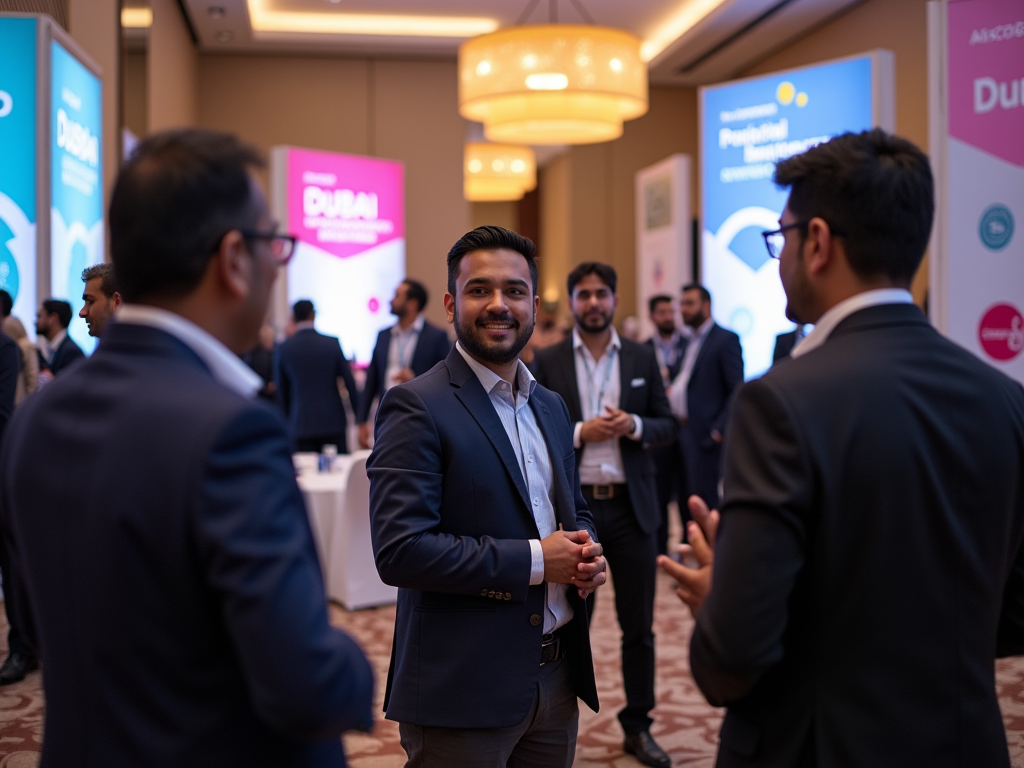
x,y
28,379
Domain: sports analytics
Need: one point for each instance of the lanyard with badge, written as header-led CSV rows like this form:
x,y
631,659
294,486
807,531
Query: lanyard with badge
x,y
406,347
595,406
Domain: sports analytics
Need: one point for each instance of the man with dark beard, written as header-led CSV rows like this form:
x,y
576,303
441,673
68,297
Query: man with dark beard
x,y
477,516
615,395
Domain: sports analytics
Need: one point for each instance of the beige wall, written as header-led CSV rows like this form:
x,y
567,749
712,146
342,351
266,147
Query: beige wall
x,y
96,26
896,25
404,110
502,214
589,192
172,69
134,92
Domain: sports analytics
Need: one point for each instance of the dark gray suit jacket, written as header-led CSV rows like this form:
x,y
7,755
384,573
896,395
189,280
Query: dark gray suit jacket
x,y
555,368
868,566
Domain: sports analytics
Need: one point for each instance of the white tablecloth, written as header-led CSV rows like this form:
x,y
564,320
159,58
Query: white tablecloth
x,y
339,513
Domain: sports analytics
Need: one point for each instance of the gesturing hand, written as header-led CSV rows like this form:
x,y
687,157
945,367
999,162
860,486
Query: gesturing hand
x,y
694,584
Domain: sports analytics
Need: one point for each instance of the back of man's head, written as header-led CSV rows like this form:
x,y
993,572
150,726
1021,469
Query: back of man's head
x,y
876,192
6,304
177,196
61,309
417,291
104,271
303,310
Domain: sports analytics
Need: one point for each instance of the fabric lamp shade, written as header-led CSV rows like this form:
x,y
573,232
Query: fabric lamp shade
x,y
552,83
493,172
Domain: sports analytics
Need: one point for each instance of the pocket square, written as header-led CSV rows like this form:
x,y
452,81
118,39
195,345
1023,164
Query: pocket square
x,y
637,383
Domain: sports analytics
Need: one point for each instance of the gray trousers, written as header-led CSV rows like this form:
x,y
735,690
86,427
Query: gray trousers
x,y
546,738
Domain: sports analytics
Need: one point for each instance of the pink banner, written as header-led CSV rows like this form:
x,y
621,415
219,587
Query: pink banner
x,y
986,76
345,204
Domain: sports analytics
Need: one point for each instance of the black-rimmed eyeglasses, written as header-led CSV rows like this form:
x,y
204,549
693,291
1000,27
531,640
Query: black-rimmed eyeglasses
x,y
775,240
282,247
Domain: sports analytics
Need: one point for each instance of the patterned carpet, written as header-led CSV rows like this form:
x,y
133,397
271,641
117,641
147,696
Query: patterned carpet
x,y
684,724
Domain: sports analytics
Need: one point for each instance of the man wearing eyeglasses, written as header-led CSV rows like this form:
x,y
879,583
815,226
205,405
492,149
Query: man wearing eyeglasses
x,y
868,565
169,579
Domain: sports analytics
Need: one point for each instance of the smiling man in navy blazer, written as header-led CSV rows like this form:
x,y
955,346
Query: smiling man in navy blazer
x,y
169,580
476,515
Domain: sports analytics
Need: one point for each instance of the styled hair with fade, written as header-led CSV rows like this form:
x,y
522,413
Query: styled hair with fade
x,y
491,238
105,271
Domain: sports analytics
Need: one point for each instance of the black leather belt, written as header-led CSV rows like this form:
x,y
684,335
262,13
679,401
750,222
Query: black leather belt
x,y
603,492
551,647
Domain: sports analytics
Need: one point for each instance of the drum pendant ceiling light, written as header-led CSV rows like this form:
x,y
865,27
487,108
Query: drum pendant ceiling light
x,y
552,83
493,172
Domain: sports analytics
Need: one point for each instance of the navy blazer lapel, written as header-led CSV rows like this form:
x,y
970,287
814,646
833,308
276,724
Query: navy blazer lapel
x,y
625,373
567,369
382,362
703,351
565,509
472,395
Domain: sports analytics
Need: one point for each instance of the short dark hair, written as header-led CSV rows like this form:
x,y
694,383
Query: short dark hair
x,y
605,272
108,284
491,238
61,309
656,300
414,289
302,310
875,190
175,198
6,304
704,295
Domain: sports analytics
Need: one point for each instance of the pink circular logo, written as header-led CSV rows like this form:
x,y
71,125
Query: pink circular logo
x,y
373,304
1001,332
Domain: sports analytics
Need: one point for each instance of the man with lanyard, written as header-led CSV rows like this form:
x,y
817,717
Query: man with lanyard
x,y
701,394
614,392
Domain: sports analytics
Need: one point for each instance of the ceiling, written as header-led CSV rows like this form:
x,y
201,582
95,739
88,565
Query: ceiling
x,y
688,42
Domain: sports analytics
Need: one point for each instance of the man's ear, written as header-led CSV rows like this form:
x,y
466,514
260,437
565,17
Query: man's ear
x,y
449,306
819,247
116,299
233,265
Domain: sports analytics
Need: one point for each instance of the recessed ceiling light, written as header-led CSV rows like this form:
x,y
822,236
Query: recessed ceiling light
x,y
264,19
687,16
136,18
224,36
215,11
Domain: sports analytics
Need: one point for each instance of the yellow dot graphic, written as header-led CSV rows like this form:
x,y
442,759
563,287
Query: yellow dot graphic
x,y
785,93
801,99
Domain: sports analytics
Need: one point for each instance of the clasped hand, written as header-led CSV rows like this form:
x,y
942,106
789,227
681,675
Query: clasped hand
x,y
573,557
694,584
614,423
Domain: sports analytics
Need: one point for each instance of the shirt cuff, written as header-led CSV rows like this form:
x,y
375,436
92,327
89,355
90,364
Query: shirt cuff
x,y
637,433
536,563
577,435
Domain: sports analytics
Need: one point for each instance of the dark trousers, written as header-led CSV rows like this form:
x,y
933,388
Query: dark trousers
x,y
703,460
670,477
630,554
316,444
15,643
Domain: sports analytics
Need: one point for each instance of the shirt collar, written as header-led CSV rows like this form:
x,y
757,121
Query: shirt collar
x,y
416,326
613,343
704,328
305,325
489,379
226,367
57,340
828,321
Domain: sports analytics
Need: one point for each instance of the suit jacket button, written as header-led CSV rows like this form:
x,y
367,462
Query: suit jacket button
x,y
508,595
490,593
534,619
483,593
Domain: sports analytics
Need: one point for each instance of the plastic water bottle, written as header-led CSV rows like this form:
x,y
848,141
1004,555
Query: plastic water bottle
x,y
327,456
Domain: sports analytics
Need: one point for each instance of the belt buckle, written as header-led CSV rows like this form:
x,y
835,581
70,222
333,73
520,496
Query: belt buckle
x,y
557,644
604,492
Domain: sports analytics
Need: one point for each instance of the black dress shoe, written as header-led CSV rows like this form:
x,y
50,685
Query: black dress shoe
x,y
646,750
16,667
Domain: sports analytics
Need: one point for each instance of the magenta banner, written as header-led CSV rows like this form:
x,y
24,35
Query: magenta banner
x,y
349,215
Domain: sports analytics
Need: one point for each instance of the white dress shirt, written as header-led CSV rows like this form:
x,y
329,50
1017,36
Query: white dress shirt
x,y
49,346
828,321
677,399
599,384
226,367
401,348
532,452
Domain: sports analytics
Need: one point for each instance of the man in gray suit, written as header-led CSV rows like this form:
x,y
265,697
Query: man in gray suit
x,y
868,565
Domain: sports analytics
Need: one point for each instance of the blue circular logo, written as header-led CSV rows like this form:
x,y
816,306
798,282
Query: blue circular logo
x,y
996,227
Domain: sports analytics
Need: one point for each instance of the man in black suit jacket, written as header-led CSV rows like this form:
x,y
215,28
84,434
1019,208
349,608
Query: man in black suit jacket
x,y
52,323
869,562
786,342
669,345
170,580
408,349
614,391
306,372
477,517
701,395
20,659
